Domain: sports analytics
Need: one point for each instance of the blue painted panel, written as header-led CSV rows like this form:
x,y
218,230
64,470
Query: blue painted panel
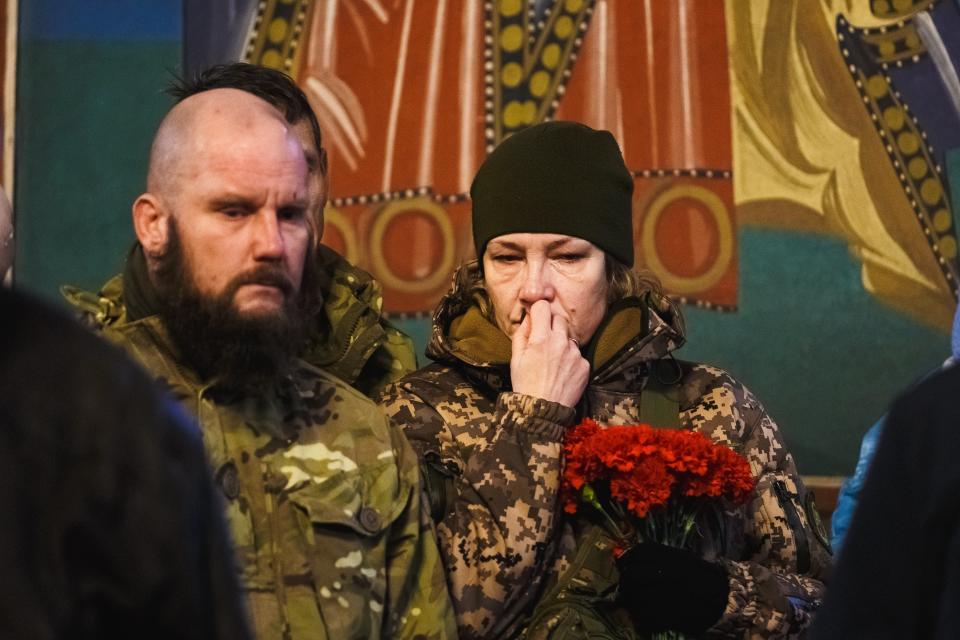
x,y
101,19
215,31
923,90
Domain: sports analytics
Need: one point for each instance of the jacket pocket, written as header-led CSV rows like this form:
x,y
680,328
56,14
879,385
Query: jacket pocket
x,y
364,501
345,522
613,407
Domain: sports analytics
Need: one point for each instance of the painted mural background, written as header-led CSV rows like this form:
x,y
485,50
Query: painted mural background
x,y
413,95
792,158
790,162
844,121
90,75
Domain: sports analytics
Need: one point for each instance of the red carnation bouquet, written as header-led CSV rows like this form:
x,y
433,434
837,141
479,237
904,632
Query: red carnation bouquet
x,y
649,485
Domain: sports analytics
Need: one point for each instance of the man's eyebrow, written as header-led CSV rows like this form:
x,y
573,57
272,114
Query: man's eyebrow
x,y
232,202
298,203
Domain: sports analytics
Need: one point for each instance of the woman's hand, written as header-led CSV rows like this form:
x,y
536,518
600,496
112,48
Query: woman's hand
x,y
546,362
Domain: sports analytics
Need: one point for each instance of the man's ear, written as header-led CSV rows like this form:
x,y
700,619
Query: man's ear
x,y
151,224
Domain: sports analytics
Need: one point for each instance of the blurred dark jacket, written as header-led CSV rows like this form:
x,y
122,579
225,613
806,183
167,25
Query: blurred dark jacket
x,y
899,573
110,527
852,486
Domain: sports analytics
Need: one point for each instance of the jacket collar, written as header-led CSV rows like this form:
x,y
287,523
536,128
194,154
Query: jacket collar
x,y
350,326
634,332
139,295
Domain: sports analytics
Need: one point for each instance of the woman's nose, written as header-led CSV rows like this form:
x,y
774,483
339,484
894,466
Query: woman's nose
x,y
536,285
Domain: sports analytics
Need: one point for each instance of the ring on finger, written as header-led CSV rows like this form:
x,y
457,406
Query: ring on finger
x,y
575,341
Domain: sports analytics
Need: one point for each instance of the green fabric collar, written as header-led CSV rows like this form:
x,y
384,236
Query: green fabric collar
x,y
480,341
625,321
139,295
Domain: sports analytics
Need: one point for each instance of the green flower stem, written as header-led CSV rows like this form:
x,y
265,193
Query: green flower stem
x,y
689,519
668,635
590,497
671,526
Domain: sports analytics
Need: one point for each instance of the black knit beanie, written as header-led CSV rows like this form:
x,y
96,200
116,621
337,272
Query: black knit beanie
x,y
556,177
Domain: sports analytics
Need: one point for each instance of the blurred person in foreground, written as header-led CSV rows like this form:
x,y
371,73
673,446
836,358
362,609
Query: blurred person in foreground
x,y
322,492
551,325
111,527
899,573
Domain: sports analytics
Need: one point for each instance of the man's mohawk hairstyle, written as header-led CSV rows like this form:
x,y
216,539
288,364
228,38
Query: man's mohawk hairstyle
x,y
270,85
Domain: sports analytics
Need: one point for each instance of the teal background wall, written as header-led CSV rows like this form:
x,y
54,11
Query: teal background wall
x,y
89,80
822,354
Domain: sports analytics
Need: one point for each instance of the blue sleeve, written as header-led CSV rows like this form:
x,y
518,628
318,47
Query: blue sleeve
x,y
850,490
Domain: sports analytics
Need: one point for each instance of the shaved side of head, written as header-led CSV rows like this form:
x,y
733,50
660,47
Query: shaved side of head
x,y
168,144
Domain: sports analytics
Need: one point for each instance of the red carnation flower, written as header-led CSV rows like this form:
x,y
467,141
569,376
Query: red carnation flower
x,y
650,473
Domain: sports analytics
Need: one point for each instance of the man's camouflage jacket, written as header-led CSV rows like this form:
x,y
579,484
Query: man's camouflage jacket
x,y
321,494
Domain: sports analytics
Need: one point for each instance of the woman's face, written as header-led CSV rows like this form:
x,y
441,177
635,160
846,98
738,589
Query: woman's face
x,y
520,269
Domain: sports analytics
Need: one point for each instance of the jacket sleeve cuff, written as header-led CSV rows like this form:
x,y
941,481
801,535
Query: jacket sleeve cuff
x,y
752,605
535,416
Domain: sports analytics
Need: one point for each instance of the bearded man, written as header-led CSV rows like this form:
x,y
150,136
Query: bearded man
x,y
322,494
347,334
550,325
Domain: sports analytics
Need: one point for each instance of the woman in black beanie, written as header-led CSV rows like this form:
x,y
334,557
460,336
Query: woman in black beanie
x,y
551,324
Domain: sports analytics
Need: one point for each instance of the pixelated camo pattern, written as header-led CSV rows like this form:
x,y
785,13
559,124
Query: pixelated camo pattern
x,y
504,541
322,500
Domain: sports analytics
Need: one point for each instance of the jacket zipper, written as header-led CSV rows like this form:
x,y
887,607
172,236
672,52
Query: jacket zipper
x,y
793,519
349,341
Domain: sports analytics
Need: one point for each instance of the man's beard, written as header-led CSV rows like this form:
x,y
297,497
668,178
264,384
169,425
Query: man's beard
x,y
242,351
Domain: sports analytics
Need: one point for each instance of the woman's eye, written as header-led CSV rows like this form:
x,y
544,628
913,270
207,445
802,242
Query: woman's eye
x,y
570,257
506,258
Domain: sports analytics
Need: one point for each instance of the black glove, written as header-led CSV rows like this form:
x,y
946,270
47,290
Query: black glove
x,y
665,588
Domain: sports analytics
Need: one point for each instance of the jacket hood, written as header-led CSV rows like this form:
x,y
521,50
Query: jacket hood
x,y
634,331
351,332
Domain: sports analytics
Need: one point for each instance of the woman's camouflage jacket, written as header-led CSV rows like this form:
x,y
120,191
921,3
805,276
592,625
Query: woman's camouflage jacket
x,y
505,541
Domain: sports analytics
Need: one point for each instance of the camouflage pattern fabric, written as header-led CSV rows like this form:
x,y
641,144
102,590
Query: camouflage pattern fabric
x,y
351,338
504,540
321,494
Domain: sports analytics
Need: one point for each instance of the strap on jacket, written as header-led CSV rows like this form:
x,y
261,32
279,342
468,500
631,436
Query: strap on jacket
x,y
660,398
